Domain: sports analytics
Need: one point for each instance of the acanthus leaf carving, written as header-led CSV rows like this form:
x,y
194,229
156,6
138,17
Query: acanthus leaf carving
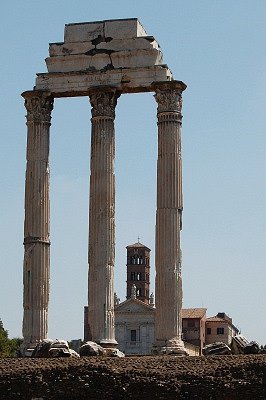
x,y
39,107
169,100
103,103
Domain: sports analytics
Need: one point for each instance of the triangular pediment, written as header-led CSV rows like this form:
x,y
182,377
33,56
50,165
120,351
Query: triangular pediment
x,y
134,306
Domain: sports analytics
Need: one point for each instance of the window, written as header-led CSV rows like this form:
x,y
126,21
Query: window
x,y
191,323
133,335
138,292
209,331
220,331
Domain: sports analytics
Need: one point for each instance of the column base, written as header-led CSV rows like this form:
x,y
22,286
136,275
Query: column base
x,y
26,349
110,348
108,343
173,347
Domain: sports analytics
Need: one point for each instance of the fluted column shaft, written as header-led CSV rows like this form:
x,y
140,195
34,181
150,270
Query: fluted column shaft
x,y
102,219
36,270
168,283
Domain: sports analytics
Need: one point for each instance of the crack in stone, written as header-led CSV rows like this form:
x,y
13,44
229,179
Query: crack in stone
x,y
101,39
94,51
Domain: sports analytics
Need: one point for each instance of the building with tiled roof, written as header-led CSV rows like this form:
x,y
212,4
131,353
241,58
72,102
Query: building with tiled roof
x,y
193,312
193,326
220,328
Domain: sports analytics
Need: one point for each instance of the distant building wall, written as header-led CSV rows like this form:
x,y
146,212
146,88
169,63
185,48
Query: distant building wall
x,y
135,332
193,326
220,329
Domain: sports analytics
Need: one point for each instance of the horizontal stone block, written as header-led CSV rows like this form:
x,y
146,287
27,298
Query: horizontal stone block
x,y
78,63
63,49
72,48
115,29
81,83
84,32
99,61
136,59
124,28
138,43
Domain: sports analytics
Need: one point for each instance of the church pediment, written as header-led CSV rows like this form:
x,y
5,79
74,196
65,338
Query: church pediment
x,y
134,306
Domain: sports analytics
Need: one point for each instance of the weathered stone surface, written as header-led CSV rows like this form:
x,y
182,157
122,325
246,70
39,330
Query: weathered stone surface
x,y
78,63
136,58
123,28
59,348
168,281
251,348
238,343
51,348
101,61
216,348
124,80
73,353
42,349
137,43
101,255
89,57
83,32
115,29
91,349
65,49
74,48
36,265
114,353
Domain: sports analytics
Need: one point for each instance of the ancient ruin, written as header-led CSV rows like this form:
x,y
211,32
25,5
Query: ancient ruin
x,y
103,60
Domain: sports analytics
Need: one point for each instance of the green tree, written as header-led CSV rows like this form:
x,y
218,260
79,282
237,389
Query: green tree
x,y
8,347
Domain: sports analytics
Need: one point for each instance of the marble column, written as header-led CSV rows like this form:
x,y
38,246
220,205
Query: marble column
x,y
102,219
36,269
168,282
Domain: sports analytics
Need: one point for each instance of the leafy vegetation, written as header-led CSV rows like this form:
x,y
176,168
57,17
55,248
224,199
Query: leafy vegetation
x,y
8,347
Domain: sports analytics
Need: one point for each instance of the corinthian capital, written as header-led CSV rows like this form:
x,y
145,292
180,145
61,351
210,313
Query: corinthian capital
x,y
39,106
169,96
103,103
168,100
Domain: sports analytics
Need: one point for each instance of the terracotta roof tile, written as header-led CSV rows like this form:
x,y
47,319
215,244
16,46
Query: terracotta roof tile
x,y
193,312
136,245
216,319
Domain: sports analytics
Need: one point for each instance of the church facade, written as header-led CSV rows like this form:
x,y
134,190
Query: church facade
x,y
134,326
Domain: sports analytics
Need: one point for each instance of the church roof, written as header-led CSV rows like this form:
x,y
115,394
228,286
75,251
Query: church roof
x,y
216,319
193,312
134,305
219,319
137,245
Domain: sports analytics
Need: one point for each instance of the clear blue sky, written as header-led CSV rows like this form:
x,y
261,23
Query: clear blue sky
x,y
217,47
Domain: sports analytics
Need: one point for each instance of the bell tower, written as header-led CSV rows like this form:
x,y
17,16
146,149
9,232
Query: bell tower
x,y
138,271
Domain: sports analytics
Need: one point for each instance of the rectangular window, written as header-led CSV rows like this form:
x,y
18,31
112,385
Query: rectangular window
x,y
209,331
191,323
220,331
133,335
